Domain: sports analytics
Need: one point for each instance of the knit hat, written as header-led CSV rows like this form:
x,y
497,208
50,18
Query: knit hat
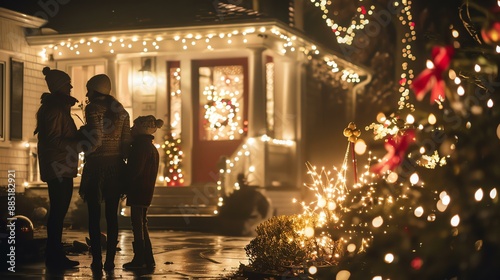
x,y
146,125
55,79
100,83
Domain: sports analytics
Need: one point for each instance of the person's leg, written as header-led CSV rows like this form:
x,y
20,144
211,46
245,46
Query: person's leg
x,y
148,248
94,210
111,213
136,215
60,193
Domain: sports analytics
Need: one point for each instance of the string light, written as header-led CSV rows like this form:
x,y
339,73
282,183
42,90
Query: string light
x,y
345,34
407,74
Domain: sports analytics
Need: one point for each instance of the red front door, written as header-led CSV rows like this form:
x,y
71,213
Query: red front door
x,y
220,96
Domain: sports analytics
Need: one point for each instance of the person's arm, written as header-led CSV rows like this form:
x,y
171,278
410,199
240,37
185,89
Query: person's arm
x,y
126,138
136,162
94,127
54,127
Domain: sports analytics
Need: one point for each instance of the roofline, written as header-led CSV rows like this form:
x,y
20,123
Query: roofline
x,y
21,19
172,31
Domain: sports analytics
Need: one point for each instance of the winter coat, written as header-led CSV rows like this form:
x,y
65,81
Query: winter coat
x,y
57,137
142,168
108,132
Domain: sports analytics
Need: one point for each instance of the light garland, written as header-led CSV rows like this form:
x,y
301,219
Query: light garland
x,y
166,41
407,73
244,153
345,34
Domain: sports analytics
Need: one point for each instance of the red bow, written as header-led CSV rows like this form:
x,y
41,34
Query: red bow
x,y
432,78
396,147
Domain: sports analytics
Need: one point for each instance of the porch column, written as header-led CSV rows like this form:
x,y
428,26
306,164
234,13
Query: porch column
x,y
257,120
187,117
257,95
300,122
111,72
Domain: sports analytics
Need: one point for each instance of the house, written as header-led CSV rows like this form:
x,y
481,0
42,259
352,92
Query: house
x,y
230,82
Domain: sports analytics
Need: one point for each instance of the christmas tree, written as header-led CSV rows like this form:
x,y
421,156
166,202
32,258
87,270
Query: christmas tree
x,y
172,171
427,207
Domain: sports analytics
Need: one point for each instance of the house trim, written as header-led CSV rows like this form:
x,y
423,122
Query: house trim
x,y
22,20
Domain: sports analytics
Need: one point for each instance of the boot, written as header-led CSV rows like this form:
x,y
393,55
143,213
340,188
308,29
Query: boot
x,y
148,254
95,249
110,255
138,260
56,259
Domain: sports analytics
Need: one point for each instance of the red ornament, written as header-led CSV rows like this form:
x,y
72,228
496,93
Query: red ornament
x,y
431,79
417,263
363,10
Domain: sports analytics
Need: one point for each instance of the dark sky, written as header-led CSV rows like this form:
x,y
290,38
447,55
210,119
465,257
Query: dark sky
x,y
81,16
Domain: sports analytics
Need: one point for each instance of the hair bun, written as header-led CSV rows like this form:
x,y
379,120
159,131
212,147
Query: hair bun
x,y
159,123
46,70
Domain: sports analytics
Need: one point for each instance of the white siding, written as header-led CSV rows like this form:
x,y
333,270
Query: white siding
x,y
13,154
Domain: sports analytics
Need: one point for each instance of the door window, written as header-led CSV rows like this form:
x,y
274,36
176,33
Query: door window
x,y
221,102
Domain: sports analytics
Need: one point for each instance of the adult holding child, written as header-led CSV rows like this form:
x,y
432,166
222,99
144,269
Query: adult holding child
x,y
108,125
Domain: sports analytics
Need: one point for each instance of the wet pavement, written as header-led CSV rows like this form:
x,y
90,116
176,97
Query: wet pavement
x,y
178,255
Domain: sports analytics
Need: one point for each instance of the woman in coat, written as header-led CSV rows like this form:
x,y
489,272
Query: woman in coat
x,y
58,159
108,130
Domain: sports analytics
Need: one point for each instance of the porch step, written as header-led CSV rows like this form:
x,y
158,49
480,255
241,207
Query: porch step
x,y
202,223
180,208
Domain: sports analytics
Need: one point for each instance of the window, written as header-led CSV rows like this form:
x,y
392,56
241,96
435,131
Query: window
x,y
222,102
2,96
80,73
16,99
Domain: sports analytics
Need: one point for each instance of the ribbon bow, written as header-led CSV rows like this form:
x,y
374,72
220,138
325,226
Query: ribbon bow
x,y
431,79
396,146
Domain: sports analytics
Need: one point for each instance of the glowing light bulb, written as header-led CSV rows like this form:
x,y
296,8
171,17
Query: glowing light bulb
x,y
410,119
414,178
351,248
321,202
393,177
309,232
377,221
452,74
419,211
446,199
381,117
493,193
389,258
441,207
455,220
429,64
360,147
432,119
343,275
479,194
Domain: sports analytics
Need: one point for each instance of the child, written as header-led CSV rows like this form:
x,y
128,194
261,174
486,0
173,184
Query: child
x,y
142,165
